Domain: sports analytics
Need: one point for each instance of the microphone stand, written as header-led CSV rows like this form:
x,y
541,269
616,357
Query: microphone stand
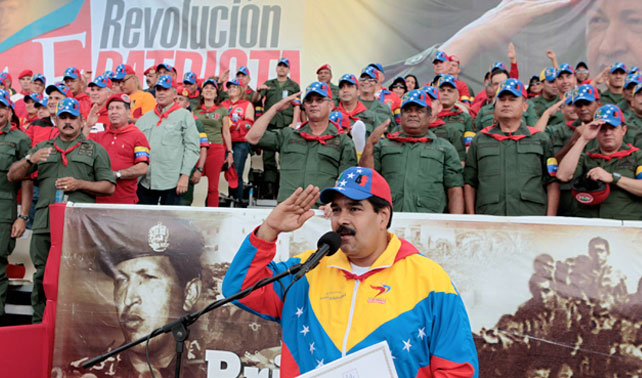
x,y
179,327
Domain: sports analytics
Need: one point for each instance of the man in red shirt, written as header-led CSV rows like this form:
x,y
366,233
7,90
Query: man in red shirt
x,y
128,150
73,79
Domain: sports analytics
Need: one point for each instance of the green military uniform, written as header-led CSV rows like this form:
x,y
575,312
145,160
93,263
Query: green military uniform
x,y
188,197
459,125
14,145
620,204
453,134
381,111
633,126
335,93
419,173
509,175
305,161
540,104
368,117
486,116
278,90
90,162
608,97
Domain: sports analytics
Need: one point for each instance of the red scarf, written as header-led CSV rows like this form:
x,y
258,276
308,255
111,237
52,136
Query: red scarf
x,y
319,138
448,113
504,137
570,124
166,113
65,152
438,122
357,109
397,138
617,155
209,110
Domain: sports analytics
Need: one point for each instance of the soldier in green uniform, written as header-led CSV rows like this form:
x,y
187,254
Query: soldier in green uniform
x,y
548,97
510,167
271,92
634,116
629,84
368,85
324,75
313,154
354,110
424,171
615,85
613,162
70,163
14,145
457,125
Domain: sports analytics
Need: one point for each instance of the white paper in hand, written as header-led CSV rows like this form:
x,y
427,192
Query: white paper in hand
x,y
359,135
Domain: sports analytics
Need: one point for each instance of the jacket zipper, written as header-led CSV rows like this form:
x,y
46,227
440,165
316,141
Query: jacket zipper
x,y
345,337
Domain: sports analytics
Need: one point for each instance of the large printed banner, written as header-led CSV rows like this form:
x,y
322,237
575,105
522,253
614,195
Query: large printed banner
x,y
209,37
545,299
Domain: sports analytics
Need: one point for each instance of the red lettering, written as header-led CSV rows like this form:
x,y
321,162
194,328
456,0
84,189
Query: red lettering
x,y
136,59
159,56
238,55
196,60
264,57
210,63
104,56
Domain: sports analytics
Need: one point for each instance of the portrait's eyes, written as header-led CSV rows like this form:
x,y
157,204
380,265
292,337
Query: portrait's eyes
x,y
634,22
598,22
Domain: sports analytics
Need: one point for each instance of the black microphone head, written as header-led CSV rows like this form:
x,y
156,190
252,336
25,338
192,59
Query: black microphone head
x,y
332,239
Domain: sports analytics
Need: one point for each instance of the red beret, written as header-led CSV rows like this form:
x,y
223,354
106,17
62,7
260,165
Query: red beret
x,y
25,73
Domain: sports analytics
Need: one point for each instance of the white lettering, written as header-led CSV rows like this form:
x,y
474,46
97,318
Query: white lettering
x,y
222,364
48,54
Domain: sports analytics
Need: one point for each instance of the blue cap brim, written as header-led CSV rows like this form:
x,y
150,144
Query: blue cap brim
x,y
422,104
319,92
328,194
584,98
75,114
511,91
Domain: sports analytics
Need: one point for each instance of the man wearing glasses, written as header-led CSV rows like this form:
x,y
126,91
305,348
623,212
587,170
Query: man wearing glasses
x,y
142,101
316,152
368,85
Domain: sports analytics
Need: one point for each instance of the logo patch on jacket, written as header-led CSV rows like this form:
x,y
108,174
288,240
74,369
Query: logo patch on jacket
x,y
379,290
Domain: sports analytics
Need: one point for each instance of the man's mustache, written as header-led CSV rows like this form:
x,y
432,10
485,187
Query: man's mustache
x,y
343,230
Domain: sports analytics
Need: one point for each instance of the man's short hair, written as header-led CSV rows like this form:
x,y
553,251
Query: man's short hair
x,y
598,240
379,203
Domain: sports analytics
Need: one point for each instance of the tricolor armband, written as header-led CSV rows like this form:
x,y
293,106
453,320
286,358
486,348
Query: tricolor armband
x,y
551,166
141,154
638,172
468,138
203,139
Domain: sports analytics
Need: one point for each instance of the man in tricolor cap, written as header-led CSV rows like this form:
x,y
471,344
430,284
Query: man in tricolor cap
x,y
613,162
174,147
510,168
438,188
453,123
243,74
167,69
127,147
353,109
376,287
565,79
629,84
383,95
69,163
74,80
324,75
368,85
100,89
548,97
615,85
440,64
316,152
190,82
156,272
634,116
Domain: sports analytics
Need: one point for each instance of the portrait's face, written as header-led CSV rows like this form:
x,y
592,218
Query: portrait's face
x,y
147,295
599,252
613,33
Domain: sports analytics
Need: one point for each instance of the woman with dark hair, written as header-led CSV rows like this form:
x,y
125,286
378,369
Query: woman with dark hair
x,y
411,82
216,125
398,86
534,87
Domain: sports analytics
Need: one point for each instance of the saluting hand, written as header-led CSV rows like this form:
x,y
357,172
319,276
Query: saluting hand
x,y
374,138
290,214
286,102
590,131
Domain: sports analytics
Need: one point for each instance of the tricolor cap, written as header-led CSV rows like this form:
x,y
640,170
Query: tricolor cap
x,y
440,56
164,81
101,82
71,72
325,67
565,67
569,97
350,78
416,96
637,88
243,70
318,87
5,98
618,66
454,58
611,114
167,67
233,82
122,97
548,74
36,97
447,80
150,70
284,61
512,86
336,117
123,70
110,74
586,92
3,78
497,66
182,91
589,192
189,77
210,81
632,79
431,91
62,88
43,102
68,105
371,72
40,77
376,66
24,73
634,70
358,183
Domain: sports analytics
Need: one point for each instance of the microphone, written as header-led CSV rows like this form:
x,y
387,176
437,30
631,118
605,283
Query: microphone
x,y
328,244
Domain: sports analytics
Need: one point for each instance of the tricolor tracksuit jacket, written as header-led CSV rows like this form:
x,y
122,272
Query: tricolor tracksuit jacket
x,y
405,298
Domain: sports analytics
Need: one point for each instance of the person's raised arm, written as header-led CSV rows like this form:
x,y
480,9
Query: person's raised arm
x,y
367,156
548,113
567,166
255,134
550,54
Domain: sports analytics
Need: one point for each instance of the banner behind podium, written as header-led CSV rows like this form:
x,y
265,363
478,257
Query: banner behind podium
x,y
558,297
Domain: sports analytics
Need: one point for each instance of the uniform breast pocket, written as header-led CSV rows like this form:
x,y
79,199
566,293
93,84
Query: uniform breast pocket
x,y
83,167
293,156
7,156
329,158
529,158
49,167
431,165
171,136
392,161
488,163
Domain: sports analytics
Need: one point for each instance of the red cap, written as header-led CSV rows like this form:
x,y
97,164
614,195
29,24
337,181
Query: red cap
x,y
182,91
25,73
151,69
122,97
589,192
359,183
324,67
231,177
129,70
